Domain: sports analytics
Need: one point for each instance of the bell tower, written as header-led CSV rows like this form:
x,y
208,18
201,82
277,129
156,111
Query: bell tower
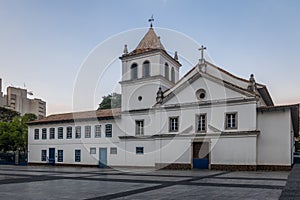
x,y
146,69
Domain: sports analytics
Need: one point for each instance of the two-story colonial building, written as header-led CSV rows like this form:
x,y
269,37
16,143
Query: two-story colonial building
x,y
207,119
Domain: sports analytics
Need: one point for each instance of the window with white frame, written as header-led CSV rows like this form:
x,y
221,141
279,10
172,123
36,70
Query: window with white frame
x,y
78,132
36,134
77,155
173,124
44,155
60,132
139,127
108,130
97,131
201,123
52,133
60,156
231,121
93,150
134,71
146,69
139,150
69,132
44,134
166,71
173,75
87,131
113,150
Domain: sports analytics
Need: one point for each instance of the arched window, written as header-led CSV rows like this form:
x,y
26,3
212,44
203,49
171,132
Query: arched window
x,y
146,69
166,71
134,71
173,75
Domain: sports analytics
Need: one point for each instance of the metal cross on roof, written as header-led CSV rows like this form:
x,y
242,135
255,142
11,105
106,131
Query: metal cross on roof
x,y
151,20
202,51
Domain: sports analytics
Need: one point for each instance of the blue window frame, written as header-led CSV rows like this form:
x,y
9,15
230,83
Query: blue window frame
x,y
36,134
108,130
87,131
78,132
44,134
139,150
77,155
44,155
69,132
60,133
52,133
60,156
97,131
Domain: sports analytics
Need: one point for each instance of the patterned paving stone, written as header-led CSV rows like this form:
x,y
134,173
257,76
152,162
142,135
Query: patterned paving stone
x,y
93,183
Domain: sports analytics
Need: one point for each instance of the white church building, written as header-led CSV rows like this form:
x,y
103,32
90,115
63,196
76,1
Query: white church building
x,y
207,119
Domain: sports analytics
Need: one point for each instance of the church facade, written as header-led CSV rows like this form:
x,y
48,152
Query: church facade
x,y
209,118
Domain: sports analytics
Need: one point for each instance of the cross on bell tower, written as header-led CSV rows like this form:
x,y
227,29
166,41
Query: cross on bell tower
x,y
151,20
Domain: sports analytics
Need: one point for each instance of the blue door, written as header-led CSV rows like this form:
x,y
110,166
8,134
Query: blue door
x,y
102,157
200,155
51,156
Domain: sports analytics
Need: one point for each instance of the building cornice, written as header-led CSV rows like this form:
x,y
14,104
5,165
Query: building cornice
x,y
199,104
147,53
145,80
194,135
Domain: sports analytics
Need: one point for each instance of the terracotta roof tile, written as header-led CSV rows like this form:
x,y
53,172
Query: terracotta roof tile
x,y
149,42
86,115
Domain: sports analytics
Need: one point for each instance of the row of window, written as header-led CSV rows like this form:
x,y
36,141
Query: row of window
x,y
77,153
167,73
69,132
201,123
146,71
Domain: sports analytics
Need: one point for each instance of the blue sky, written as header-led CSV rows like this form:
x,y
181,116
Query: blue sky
x,y
44,43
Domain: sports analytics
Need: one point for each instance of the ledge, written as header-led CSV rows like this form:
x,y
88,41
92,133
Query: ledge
x,y
233,167
197,135
250,167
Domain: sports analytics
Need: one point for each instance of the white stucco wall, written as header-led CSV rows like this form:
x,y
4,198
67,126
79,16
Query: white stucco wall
x,y
173,150
69,145
234,150
214,91
274,145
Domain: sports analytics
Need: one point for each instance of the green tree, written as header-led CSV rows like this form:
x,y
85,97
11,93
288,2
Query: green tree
x,y
6,138
14,134
7,115
110,101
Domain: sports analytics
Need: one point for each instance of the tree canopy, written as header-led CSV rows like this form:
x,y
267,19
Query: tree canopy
x,y
7,115
110,101
14,134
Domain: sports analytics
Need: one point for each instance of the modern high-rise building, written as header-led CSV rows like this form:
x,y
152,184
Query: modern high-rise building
x,y
16,99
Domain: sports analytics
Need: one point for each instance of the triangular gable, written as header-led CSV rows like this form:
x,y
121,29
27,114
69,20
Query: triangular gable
x,y
215,88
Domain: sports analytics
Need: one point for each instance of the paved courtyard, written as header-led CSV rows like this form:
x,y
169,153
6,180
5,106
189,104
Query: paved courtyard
x,y
19,182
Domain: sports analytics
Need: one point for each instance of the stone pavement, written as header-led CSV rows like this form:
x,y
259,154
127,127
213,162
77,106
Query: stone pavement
x,y
17,182
292,188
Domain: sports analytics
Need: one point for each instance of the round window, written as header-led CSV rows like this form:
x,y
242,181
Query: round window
x,y
201,94
140,98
